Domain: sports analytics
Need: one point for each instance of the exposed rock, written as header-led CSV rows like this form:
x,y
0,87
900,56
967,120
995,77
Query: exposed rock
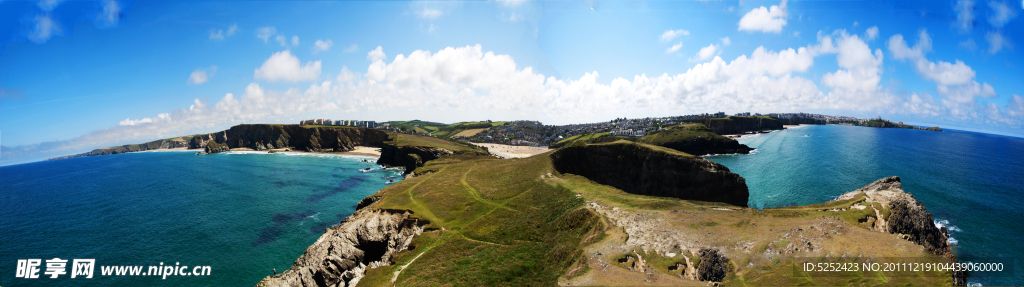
x,y
907,215
409,157
312,139
706,146
366,239
367,201
713,265
638,169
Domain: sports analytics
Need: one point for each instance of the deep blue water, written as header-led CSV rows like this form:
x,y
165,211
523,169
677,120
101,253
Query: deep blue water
x,y
971,182
241,214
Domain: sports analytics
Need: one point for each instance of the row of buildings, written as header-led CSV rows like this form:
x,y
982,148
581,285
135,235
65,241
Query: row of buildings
x,y
350,123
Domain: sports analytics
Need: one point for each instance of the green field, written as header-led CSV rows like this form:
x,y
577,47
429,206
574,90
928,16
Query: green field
x,y
518,222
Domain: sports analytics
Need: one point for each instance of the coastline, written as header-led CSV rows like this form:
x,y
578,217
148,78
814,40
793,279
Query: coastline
x,y
367,151
511,151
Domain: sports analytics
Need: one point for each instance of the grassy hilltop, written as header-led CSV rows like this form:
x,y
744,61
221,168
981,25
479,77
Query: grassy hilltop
x,y
519,222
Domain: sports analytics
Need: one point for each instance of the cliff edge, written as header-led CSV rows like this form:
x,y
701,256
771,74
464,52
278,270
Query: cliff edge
x,y
651,170
366,239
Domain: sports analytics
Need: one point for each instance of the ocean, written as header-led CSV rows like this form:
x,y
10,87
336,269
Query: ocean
x,y
242,214
972,183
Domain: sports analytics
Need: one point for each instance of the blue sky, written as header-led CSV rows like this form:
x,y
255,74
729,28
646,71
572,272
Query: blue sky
x,y
78,75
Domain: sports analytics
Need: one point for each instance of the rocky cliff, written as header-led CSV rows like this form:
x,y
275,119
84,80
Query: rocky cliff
x,y
906,215
708,145
365,239
647,170
409,157
907,218
312,139
738,125
153,145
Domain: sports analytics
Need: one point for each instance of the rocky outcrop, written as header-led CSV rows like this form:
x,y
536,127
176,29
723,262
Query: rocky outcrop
x,y
713,265
707,146
409,157
740,125
312,139
641,169
907,218
366,239
153,145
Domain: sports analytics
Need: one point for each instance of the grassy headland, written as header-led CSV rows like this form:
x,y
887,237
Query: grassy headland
x,y
519,222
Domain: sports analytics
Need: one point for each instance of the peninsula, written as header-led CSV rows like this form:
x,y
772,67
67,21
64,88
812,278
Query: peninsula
x,y
596,209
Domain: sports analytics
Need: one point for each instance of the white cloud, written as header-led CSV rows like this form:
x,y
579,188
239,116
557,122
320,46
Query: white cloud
x,y
284,67
197,77
295,40
376,55
964,15
855,23
796,34
969,44
900,51
996,42
44,28
967,92
1015,108
674,48
265,33
220,34
954,81
766,20
860,69
110,15
871,33
1001,13
514,17
429,13
200,76
512,3
48,5
726,41
705,53
351,48
469,79
281,39
346,75
322,46
672,34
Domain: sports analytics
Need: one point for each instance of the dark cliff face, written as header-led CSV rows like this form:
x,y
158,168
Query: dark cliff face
x,y
706,146
409,157
641,170
908,216
739,125
263,137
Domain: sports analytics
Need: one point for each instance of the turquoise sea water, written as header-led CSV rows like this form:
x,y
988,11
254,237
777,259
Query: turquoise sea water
x,y
972,183
242,214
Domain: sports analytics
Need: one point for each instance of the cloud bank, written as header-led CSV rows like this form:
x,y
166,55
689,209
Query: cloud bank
x,y
461,79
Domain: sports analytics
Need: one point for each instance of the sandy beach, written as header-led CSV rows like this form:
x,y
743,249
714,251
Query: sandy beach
x,y
359,150
795,126
511,151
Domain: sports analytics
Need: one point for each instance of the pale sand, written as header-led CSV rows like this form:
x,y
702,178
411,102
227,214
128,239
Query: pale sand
x,y
359,150
365,150
511,151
